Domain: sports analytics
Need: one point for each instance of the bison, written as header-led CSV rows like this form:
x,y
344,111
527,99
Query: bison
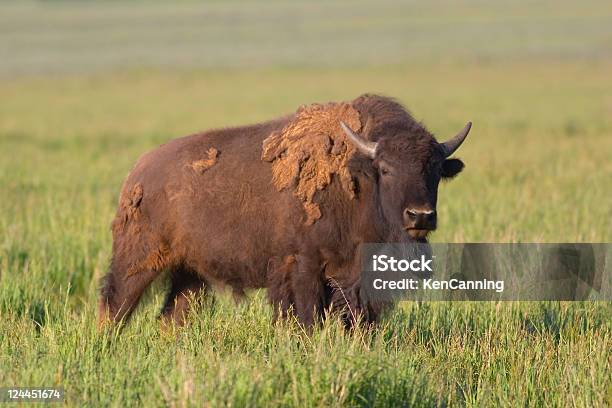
x,y
283,205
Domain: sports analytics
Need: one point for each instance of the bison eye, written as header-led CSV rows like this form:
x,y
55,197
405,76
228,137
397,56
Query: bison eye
x,y
384,171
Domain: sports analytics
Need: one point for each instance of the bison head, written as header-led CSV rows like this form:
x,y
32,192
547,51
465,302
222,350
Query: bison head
x,y
407,166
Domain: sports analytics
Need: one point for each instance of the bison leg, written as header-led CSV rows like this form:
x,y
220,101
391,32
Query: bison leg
x,y
308,289
120,293
186,286
135,264
280,293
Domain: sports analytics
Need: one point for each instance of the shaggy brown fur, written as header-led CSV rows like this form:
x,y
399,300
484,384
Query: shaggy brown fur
x,y
310,150
204,164
129,207
287,208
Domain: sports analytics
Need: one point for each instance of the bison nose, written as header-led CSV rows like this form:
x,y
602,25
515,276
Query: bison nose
x,y
419,218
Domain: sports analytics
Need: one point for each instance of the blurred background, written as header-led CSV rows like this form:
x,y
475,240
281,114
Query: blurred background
x,y
54,37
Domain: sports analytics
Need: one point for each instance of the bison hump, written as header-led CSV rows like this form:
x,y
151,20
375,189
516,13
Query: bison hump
x,y
310,150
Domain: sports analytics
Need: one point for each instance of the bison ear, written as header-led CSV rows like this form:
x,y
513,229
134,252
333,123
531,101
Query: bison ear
x,y
451,167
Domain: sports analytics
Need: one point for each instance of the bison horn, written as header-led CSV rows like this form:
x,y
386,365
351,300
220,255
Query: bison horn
x,y
367,148
453,144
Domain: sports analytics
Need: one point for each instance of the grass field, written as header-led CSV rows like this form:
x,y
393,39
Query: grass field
x,y
72,123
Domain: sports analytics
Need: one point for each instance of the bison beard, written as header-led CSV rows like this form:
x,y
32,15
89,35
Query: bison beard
x,y
283,205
